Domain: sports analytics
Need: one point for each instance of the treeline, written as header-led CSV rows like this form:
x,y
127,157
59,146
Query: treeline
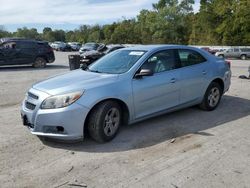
x,y
218,22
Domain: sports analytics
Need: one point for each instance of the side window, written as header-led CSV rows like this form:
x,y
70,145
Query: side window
x,y
9,45
190,57
25,45
236,50
161,61
18,45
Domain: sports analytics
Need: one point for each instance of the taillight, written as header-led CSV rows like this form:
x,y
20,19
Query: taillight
x,y
228,63
50,49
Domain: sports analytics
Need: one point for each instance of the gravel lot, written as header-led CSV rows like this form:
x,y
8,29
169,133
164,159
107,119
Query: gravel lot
x,y
188,148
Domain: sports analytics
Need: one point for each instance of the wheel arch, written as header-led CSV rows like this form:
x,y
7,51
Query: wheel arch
x,y
42,56
243,54
220,82
122,104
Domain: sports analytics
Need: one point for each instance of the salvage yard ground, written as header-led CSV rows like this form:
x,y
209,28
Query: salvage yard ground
x,y
188,148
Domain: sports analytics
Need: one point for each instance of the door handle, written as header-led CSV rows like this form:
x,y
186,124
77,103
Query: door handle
x,y
204,72
173,80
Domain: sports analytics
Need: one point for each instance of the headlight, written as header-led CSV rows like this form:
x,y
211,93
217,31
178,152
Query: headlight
x,y
60,101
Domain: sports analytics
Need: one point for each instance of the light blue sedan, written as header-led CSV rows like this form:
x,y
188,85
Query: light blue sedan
x,y
126,86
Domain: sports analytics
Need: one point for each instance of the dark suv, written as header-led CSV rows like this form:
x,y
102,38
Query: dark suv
x,y
15,51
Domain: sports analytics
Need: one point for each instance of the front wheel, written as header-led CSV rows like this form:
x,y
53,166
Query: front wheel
x,y
212,97
104,121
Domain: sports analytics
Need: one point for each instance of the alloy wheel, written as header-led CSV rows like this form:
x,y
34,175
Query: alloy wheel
x,y
111,121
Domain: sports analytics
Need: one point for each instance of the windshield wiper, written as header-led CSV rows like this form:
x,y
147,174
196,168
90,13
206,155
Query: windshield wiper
x,y
94,71
89,70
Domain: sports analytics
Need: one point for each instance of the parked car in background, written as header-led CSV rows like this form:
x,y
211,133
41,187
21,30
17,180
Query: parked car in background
x,y
58,45
211,51
25,51
88,47
75,46
242,53
125,86
89,57
66,48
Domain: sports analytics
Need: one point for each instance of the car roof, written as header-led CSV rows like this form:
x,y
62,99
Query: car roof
x,y
158,47
114,45
4,40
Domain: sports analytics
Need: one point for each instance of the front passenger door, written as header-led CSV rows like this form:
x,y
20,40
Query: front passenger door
x,y
2,56
7,52
160,91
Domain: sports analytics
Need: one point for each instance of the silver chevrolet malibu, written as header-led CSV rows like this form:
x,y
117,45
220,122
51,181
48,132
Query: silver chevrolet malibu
x,y
125,86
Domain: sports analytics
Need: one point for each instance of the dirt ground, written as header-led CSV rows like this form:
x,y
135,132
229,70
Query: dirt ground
x,y
188,148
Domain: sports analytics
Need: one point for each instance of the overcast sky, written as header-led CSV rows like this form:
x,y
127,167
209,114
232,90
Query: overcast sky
x,y
68,14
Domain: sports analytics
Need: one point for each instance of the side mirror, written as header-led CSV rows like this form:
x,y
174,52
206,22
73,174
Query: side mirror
x,y
144,72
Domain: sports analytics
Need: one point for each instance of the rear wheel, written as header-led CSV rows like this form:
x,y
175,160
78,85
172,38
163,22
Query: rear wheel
x,y
212,97
243,57
104,121
40,63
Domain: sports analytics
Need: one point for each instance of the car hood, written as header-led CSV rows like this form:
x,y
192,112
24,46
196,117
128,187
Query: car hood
x,y
77,80
90,53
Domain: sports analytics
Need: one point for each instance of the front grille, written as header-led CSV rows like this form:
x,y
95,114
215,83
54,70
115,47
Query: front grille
x,y
29,105
33,96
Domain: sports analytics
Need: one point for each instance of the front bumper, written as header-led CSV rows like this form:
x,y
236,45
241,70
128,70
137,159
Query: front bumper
x,y
62,123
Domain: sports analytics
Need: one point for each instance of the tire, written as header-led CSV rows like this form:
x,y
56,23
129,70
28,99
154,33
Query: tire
x,y
221,56
104,121
40,62
243,57
212,97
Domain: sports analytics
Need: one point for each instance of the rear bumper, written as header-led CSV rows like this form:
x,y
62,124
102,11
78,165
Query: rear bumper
x,y
227,80
51,57
51,60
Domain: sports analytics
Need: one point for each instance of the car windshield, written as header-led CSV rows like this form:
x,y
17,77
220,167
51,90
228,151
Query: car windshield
x,y
117,62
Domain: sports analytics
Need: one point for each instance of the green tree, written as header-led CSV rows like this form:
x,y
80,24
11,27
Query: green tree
x,y
48,34
125,32
3,32
96,34
59,35
108,30
168,22
27,33
204,24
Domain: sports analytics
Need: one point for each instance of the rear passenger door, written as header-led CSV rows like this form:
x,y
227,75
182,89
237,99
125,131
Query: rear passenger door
x,y
193,75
